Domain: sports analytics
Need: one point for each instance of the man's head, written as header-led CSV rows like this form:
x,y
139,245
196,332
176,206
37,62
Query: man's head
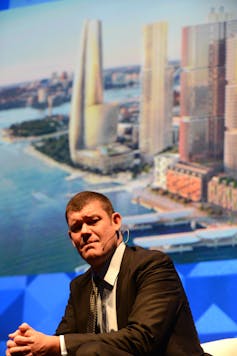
x,y
78,201
93,226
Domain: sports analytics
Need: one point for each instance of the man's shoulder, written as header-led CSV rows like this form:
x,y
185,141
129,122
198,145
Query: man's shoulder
x,y
137,250
138,261
82,278
141,255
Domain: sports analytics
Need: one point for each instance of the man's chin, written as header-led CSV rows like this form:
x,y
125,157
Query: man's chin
x,y
92,253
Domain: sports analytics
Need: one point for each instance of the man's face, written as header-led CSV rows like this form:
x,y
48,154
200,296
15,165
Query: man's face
x,y
93,232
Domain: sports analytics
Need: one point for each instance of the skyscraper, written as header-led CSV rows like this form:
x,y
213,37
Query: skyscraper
x,y
155,132
92,123
202,92
230,147
203,89
217,16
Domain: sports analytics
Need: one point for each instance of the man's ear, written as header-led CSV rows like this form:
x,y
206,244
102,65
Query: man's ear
x,y
117,220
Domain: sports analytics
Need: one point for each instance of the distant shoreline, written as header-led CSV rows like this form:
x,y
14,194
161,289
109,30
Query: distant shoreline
x,y
122,178
74,173
50,161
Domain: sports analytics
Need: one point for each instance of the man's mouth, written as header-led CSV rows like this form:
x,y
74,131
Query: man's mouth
x,y
90,245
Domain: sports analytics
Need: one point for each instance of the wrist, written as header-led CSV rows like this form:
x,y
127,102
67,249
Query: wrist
x,y
54,346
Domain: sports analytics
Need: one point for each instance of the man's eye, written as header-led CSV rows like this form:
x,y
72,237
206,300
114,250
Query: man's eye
x,y
76,227
92,222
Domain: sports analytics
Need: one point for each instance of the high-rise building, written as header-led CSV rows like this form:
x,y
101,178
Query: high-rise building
x,y
230,147
92,122
203,90
217,16
155,133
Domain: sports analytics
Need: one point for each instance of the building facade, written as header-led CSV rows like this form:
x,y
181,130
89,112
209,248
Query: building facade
x,y
202,92
161,164
106,159
189,181
155,133
222,191
207,103
92,122
230,147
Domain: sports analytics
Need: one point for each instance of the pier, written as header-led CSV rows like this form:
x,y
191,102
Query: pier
x,y
182,241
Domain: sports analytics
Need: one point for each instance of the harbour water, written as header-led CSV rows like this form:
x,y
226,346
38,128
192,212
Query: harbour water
x,y
33,232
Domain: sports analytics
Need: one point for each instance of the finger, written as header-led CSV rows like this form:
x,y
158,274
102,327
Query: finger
x,y
19,350
7,353
10,343
23,327
23,353
23,340
12,335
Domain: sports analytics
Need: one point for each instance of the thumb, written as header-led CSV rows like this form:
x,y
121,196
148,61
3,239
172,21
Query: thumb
x,y
24,327
21,330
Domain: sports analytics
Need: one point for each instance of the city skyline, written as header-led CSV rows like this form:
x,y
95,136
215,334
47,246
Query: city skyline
x,y
42,39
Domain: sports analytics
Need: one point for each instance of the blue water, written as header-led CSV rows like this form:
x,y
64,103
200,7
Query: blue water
x,y
33,232
8,117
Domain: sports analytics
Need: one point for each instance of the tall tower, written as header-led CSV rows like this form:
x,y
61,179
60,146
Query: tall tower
x,y
76,122
92,123
202,92
218,16
156,98
203,82
230,147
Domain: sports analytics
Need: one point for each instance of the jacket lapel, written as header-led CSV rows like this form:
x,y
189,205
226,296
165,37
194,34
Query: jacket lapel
x,y
84,288
122,294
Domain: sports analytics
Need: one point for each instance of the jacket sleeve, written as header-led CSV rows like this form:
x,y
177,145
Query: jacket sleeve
x,y
158,301
68,322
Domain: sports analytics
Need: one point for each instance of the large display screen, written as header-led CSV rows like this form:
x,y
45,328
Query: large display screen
x,y
148,80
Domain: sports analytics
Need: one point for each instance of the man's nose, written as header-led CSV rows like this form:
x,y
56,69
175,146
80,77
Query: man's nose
x,y
85,229
85,232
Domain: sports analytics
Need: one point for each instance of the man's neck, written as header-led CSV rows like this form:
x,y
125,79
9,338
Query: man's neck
x,y
100,269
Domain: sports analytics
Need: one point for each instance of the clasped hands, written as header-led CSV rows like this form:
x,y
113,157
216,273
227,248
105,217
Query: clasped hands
x,y
27,341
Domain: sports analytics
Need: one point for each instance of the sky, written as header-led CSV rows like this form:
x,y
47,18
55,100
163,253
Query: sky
x,y
38,40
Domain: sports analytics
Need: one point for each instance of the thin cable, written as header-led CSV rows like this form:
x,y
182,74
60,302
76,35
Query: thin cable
x,y
128,236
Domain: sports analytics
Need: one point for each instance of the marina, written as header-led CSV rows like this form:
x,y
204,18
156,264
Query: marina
x,y
209,237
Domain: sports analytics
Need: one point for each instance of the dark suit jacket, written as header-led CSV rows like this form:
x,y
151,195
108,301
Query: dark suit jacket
x,y
153,312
